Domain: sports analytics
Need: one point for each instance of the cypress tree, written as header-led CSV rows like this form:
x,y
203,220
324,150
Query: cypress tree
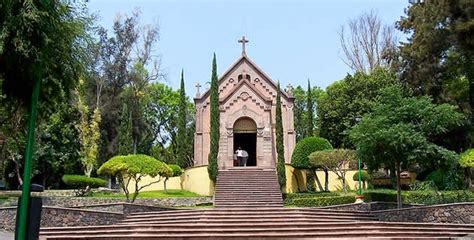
x,y
279,141
212,168
181,132
309,105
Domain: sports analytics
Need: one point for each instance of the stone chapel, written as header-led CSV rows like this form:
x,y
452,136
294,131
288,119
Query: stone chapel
x,y
247,103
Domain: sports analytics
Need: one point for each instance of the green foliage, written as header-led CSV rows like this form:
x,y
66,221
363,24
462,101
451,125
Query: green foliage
x,y
335,160
466,159
135,167
161,105
423,186
403,127
89,133
445,179
42,39
177,171
322,201
309,106
181,131
304,148
419,197
280,148
82,183
365,176
125,132
346,101
212,168
301,111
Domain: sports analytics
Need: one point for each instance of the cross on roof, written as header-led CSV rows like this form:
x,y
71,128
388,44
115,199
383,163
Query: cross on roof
x,y
198,86
243,41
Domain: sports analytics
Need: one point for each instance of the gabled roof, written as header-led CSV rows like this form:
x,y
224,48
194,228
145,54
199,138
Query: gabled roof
x,y
254,66
251,87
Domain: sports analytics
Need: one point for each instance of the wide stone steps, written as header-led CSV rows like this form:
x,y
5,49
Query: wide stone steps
x,y
247,187
288,229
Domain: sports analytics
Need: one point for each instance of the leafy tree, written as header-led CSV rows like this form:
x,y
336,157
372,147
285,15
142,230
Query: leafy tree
x,y
439,30
181,132
135,167
403,127
35,37
301,111
467,161
176,172
336,160
125,132
346,101
212,168
89,134
309,106
299,159
365,177
438,56
280,148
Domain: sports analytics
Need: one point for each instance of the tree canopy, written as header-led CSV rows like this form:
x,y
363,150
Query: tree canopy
x,y
399,131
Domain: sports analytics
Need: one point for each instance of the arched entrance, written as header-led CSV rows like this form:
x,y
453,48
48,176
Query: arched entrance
x,y
245,137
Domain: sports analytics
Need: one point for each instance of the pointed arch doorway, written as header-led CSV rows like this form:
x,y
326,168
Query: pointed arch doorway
x,y
245,137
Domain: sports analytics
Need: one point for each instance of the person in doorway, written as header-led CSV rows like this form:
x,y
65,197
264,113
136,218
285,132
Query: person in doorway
x,y
245,156
239,154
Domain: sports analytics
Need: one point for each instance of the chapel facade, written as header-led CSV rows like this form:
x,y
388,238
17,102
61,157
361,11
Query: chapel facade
x,y
247,104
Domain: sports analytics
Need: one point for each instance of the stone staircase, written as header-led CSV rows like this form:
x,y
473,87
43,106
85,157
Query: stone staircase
x,y
257,223
247,187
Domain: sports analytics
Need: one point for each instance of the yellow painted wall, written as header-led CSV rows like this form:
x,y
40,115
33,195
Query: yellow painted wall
x,y
194,179
296,180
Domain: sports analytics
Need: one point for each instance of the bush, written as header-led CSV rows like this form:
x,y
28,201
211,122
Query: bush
x,y
306,146
135,167
82,184
420,197
289,197
365,176
446,179
322,201
423,186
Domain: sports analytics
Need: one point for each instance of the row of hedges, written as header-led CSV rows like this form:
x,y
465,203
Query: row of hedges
x,y
420,197
320,201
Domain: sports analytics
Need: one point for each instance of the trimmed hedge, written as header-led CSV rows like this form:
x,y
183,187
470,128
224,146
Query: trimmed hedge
x,y
420,197
306,146
81,181
365,176
322,201
289,197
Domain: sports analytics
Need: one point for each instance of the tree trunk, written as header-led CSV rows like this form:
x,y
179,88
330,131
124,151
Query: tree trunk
x,y
399,187
326,180
344,187
164,185
315,175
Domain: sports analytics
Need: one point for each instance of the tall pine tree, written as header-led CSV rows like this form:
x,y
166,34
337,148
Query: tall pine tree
x,y
279,141
181,132
309,105
212,168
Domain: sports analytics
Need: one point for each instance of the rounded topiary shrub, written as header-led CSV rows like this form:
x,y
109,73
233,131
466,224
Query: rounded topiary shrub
x,y
305,147
365,176
81,181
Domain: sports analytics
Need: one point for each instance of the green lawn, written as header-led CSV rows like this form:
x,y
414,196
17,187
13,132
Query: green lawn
x,y
151,194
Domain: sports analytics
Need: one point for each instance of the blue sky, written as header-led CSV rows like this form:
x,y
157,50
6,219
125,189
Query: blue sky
x,y
290,40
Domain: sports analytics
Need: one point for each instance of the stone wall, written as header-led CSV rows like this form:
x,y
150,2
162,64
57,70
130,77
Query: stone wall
x,y
87,201
61,217
125,208
443,213
370,206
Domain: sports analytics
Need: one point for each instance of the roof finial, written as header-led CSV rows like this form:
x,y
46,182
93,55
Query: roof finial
x,y
243,41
